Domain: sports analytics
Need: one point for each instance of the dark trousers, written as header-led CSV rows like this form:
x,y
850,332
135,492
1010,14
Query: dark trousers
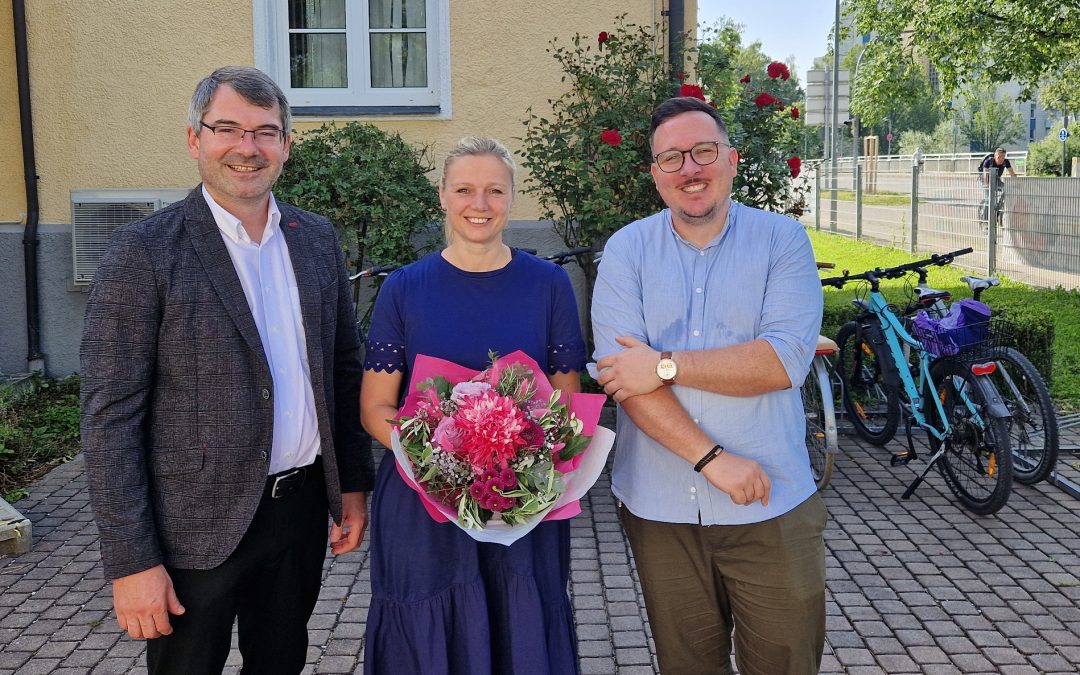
x,y
763,581
269,586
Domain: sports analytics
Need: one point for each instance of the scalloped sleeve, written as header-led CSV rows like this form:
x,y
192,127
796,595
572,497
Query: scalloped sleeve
x,y
566,348
384,349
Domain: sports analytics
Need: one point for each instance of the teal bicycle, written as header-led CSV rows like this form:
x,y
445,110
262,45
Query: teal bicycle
x,y
946,390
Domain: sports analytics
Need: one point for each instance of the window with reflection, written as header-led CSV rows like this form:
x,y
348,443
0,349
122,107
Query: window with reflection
x,y
356,53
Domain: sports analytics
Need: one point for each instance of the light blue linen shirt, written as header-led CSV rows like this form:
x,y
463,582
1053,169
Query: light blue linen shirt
x,y
756,280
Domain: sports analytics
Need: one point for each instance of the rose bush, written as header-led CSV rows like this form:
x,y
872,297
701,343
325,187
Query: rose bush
x,y
589,156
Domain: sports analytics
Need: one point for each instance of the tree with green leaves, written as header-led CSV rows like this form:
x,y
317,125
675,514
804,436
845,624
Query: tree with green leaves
x,y
1062,91
966,41
989,121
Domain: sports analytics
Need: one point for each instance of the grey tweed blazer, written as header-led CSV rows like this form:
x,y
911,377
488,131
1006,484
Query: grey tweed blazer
x,y
177,416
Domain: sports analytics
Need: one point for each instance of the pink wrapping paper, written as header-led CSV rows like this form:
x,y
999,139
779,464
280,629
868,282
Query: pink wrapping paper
x,y
585,407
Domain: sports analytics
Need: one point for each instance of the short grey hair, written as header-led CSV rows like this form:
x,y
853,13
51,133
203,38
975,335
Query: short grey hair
x,y
478,146
253,85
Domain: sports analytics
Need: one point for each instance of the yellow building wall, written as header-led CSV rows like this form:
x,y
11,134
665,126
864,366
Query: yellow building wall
x,y
12,197
111,80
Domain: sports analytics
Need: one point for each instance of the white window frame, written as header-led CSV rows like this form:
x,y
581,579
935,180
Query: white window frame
x,y
271,29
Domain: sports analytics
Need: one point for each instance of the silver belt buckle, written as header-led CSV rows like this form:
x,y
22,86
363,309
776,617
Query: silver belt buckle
x,y
277,482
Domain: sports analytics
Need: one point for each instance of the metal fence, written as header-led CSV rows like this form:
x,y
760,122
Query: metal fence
x,y
1035,239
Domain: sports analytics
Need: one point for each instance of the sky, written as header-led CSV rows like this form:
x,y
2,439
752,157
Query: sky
x,y
784,27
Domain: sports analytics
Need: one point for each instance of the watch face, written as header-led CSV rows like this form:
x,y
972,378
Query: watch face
x,y
666,370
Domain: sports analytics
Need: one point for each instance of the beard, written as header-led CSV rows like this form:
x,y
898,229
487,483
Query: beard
x,y
700,218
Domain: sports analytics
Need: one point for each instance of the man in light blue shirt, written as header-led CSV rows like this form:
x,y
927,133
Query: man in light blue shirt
x,y
706,317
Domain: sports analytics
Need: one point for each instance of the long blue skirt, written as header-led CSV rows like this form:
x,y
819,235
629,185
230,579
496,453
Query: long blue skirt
x,y
444,604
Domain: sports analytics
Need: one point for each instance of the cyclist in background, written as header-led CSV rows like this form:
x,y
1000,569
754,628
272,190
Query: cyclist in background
x,y
997,161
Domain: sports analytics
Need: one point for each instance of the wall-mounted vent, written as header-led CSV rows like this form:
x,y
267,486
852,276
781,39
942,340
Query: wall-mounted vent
x,y
95,215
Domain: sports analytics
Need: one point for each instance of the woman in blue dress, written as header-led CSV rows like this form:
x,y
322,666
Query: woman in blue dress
x,y
442,603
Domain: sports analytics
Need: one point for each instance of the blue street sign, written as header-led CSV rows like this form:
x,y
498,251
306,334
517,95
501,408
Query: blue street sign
x,y
1063,135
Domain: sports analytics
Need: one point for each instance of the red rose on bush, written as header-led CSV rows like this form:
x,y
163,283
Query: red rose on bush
x,y
612,137
777,69
745,79
795,164
602,37
691,90
764,99
794,113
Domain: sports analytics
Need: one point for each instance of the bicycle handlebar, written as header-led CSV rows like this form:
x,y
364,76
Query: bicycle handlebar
x,y
580,250
373,271
939,259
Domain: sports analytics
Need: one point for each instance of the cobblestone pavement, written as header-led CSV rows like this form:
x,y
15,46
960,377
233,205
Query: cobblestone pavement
x,y
915,586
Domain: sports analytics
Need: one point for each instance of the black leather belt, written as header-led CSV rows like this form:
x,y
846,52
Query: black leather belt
x,y
285,483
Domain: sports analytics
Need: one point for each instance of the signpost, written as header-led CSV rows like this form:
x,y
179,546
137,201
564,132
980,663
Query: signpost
x,y
1063,135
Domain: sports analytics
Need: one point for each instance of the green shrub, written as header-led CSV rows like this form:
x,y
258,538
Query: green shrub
x,y
372,184
38,430
1044,157
1031,330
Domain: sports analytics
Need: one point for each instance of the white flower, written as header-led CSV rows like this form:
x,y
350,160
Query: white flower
x,y
464,389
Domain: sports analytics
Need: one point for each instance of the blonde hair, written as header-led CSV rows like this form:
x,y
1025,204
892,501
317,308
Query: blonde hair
x,y
476,146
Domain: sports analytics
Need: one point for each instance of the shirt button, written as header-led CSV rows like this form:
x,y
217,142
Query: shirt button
x,y
697,290
701,252
695,420
697,333
266,394
693,490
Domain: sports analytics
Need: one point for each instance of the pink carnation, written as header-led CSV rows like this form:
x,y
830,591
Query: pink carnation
x,y
491,428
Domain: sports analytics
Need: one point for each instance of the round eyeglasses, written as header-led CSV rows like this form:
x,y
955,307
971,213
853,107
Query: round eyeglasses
x,y
227,133
703,154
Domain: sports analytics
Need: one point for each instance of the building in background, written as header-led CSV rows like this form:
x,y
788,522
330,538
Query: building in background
x,y
109,83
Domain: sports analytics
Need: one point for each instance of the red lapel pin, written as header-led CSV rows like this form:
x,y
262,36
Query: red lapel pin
x,y
292,223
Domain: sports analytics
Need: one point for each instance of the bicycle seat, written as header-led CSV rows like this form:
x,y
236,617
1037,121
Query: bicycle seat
x,y
826,345
980,283
928,296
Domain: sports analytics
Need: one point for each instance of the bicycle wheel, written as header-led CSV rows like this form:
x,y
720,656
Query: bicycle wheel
x,y
1033,429
977,463
870,393
820,422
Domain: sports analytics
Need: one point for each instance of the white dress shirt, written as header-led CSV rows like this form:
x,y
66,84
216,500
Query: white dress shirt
x,y
266,274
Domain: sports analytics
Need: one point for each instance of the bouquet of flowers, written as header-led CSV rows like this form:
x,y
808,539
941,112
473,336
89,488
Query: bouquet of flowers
x,y
500,450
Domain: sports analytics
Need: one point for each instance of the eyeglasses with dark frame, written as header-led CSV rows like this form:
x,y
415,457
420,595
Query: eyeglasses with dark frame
x,y
228,133
703,154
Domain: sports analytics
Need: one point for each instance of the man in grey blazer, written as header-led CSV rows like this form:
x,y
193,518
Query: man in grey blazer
x,y
220,393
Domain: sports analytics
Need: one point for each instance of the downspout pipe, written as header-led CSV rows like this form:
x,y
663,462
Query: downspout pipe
x,y
35,359
676,14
